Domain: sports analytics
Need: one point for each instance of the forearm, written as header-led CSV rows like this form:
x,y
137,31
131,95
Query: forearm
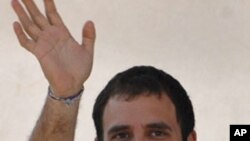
x,y
57,121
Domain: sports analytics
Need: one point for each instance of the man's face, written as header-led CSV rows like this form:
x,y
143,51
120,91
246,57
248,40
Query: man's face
x,y
140,119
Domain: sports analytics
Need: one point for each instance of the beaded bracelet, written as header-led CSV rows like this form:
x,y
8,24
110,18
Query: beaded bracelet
x,y
67,100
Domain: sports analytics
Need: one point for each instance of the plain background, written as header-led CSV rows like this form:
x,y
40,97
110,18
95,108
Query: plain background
x,y
205,44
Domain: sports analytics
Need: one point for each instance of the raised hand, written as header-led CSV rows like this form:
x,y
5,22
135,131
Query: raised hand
x,y
65,63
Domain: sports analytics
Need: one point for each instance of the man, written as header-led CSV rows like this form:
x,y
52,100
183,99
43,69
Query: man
x,y
142,103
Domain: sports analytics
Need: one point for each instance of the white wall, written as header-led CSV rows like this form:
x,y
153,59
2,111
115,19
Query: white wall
x,y
203,43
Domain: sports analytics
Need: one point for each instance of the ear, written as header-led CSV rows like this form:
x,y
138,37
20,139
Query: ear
x,y
192,136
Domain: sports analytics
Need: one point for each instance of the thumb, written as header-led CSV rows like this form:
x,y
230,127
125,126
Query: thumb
x,y
88,35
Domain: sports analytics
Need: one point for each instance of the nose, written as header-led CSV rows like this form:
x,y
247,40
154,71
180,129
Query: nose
x,y
140,138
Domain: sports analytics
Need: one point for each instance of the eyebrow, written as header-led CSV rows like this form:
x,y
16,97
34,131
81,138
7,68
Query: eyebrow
x,y
159,125
117,128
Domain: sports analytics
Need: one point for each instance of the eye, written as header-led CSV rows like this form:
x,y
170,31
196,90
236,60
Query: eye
x,y
121,136
158,134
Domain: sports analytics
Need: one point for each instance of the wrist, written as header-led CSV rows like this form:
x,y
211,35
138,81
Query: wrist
x,y
67,100
66,92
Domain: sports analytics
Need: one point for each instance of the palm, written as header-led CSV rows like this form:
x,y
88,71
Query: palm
x,y
63,60
65,63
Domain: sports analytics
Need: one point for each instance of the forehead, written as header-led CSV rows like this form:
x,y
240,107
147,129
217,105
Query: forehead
x,y
141,110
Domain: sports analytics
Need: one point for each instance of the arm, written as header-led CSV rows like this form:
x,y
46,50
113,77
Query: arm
x,y
65,63
57,122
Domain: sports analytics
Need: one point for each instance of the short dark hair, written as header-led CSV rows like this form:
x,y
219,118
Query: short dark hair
x,y
141,79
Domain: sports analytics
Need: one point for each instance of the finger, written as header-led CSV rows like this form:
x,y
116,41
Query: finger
x,y
88,36
22,38
35,14
32,30
52,13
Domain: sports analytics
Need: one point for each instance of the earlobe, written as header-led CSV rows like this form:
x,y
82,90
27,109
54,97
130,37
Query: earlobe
x,y
192,136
